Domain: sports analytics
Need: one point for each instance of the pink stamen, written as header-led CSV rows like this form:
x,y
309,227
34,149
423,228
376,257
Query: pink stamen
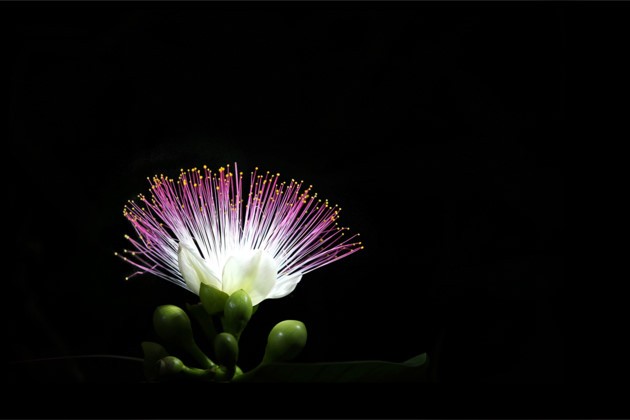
x,y
204,209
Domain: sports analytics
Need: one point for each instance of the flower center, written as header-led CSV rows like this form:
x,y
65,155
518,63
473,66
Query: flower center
x,y
253,271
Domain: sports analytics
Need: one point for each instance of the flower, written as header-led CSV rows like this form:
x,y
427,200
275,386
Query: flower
x,y
195,230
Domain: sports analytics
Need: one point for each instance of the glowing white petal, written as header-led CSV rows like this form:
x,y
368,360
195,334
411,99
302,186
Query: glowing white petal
x,y
194,269
284,286
253,271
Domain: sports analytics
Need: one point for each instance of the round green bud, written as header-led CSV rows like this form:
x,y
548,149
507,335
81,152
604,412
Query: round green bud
x,y
286,340
237,313
170,365
172,324
226,349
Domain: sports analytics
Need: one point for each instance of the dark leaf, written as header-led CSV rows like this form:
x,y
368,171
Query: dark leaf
x,y
413,370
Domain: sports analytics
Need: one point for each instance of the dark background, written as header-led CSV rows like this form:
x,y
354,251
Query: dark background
x,y
438,127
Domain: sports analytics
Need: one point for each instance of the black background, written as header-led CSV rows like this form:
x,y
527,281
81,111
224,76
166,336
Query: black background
x,y
438,127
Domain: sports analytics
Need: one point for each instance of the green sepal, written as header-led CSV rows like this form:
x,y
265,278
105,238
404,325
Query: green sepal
x,y
213,300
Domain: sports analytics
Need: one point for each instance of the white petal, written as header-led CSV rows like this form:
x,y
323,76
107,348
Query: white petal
x,y
253,271
284,286
194,269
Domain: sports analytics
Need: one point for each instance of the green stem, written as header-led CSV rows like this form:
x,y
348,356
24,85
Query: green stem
x,y
205,321
198,373
83,356
227,374
243,376
201,358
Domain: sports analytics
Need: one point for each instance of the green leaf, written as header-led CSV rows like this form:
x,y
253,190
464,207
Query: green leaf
x,y
153,352
413,370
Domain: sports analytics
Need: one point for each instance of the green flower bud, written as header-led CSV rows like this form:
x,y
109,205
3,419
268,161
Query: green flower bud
x,y
226,349
237,313
173,325
286,340
170,365
212,299
153,352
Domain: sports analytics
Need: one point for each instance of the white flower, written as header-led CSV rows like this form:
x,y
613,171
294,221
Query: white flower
x,y
195,230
